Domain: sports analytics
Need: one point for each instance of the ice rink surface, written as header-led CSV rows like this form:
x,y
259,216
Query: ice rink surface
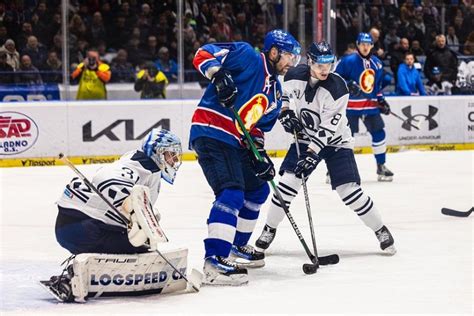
x,y
431,273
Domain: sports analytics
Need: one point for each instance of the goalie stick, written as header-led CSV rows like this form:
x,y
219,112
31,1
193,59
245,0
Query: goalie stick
x,y
456,213
325,260
67,162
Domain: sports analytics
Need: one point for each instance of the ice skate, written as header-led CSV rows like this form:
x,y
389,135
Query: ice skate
x,y
59,286
247,257
386,241
265,239
221,271
384,174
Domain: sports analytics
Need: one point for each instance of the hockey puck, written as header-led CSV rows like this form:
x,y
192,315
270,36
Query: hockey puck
x,y
310,268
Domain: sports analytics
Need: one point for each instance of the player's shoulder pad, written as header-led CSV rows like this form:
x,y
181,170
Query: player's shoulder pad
x,y
300,72
377,62
145,161
335,85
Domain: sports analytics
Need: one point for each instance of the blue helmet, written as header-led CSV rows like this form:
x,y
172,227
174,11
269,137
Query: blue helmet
x,y
364,38
283,41
164,148
321,53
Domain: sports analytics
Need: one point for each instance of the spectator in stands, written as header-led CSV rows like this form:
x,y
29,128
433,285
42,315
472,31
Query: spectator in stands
x,y
13,57
7,75
409,81
28,74
398,56
3,35
167,65
416,49
53,69
36,51
378,49
26,31
77,27
469,45
94,75
452,40
444,58
151,82
223,27
391,38
122,70
96,31
150,52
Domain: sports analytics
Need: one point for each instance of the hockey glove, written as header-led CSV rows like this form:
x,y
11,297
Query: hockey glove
x,y
306,164
225,87
290,122
383,106
263,169
354,89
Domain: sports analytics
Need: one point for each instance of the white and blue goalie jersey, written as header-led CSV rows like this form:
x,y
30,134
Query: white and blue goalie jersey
x,y
115,182
320,106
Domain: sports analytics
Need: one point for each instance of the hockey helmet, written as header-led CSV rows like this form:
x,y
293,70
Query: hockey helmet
x,y
164,148
283,41
364,38
321,53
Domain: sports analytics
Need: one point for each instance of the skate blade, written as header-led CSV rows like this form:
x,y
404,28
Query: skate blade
x,y
221,280
47,286
247,264
390,251
381,178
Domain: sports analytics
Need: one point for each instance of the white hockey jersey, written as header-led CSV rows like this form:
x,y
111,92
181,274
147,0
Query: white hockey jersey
x,y
115,182
320,106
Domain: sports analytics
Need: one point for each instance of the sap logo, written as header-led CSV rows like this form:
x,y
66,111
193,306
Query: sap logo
x,y
18,133
414,119
129,279
129,130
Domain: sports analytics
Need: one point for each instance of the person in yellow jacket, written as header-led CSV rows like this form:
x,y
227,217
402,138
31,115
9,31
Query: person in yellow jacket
x,y
151,82
94,74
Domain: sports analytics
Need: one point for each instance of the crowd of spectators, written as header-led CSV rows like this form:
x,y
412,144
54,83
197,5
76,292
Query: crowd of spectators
x,y
131,34
412,27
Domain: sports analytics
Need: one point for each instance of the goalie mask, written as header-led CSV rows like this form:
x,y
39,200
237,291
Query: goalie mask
x,y
164,148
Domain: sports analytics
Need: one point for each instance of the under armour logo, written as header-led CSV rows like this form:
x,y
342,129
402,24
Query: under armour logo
x,y
416,119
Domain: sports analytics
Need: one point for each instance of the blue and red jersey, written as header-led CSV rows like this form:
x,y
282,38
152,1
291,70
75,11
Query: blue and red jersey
x,y
258,100
368,74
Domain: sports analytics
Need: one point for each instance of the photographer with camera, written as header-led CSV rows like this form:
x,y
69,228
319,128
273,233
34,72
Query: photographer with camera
x,y
151,82
94,74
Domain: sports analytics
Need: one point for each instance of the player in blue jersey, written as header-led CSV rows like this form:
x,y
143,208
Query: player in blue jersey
x,y
363,73
246,81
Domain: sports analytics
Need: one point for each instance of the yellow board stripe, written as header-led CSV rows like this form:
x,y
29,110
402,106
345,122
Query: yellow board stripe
x,y
87,160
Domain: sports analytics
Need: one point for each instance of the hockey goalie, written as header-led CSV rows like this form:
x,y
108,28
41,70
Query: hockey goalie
x,y
112,229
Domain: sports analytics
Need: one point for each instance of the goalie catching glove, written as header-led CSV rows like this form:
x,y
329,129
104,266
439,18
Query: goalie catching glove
x,y
144,219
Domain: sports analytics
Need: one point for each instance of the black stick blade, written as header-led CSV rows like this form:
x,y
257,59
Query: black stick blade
x,y
329,259
451,212
310,268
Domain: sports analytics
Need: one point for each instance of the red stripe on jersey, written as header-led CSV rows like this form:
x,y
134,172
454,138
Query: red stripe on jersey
x,y
360,104
212,119
200,57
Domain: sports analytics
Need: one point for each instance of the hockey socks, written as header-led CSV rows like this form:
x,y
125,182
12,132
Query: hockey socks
x,y
289,185
354,197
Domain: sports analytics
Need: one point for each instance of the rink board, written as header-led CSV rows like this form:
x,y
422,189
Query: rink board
x,y
32,134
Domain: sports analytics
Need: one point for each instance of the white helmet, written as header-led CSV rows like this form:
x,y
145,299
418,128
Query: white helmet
x,y
164,148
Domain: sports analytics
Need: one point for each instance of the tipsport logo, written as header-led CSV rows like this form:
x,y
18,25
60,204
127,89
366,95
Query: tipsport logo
x,y
18,133
417,119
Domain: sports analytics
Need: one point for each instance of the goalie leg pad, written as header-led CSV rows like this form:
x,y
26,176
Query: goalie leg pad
x,y
97,275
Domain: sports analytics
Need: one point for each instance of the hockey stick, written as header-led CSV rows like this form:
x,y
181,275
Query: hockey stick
x,y
67,162
308,206
451,212
322,260
404,121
